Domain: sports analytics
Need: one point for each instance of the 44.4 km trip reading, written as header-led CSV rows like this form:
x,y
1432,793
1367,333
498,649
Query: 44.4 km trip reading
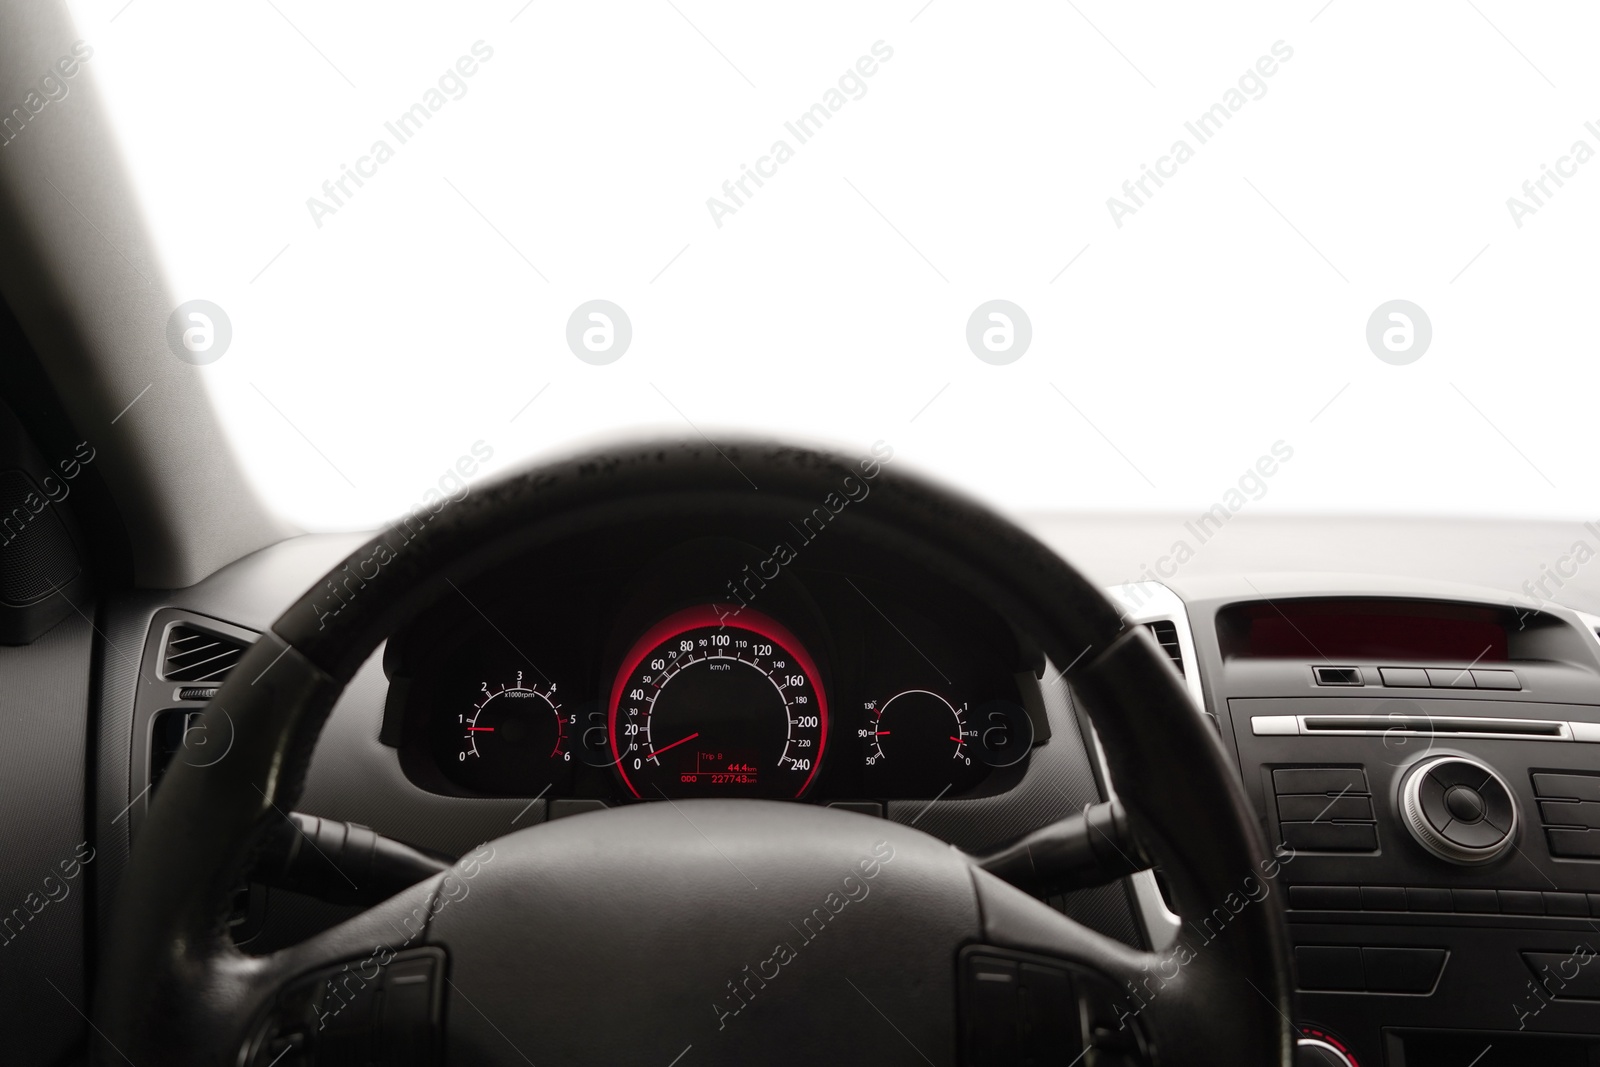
x,y
701,707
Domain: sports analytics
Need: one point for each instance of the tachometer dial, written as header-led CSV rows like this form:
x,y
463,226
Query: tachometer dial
x,y
712,702
513,728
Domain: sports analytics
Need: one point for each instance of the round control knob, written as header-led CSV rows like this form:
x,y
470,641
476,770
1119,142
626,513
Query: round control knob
x,y
1315,1052
1458,809
1464,802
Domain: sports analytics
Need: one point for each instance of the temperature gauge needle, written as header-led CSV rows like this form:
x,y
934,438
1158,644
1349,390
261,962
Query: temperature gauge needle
x,y
684,741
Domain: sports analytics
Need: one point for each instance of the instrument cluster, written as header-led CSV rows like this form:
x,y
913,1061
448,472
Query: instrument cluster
x,y
668,680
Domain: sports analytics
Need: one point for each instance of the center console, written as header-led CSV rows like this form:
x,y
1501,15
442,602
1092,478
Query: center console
x,y
1428,770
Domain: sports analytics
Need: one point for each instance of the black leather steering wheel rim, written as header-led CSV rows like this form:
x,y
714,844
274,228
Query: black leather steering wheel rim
x,y
174,990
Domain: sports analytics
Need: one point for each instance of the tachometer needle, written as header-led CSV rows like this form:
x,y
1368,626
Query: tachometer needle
x,y
657,752
482,729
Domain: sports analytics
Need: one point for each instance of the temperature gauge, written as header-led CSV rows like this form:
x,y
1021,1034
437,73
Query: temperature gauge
x,y
922,743
917,728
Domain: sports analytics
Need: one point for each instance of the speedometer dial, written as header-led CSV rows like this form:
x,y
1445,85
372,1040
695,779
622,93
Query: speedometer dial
x,y
712,702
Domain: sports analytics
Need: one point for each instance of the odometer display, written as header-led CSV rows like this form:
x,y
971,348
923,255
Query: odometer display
x,y
711,702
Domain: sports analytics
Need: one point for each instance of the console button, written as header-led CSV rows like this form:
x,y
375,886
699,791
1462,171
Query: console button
x,y
1464,802
1567,786
1565,975
1570,813
1335,968
1574,844
1422,899
1499,809
1383,898
1496,679
1450,678
1474,834
1403,970
1565,903
1329,897
1518,902
1483,901
1330,836
1409,677
1329,781
1460,772
1319,806
1431,792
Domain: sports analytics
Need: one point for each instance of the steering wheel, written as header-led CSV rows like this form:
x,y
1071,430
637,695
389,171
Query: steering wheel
x,y
714,931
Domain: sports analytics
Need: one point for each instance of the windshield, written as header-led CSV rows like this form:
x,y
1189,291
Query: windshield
x,y
1066,256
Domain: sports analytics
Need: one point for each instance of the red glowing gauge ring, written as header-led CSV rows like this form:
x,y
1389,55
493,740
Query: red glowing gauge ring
x,y
1322,1037
748,638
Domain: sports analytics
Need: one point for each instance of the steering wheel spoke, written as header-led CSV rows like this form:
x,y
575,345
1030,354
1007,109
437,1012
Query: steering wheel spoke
x,y
370,990
1044,988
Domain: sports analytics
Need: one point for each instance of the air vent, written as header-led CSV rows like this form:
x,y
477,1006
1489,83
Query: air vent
x,y
195,655
1166,633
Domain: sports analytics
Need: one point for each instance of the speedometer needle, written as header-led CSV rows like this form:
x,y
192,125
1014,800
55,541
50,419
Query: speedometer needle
x,y
657,752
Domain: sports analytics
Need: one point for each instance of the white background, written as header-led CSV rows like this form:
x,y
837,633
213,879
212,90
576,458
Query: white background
x,y
1228,313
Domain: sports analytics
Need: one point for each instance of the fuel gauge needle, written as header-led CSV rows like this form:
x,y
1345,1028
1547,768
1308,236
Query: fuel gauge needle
x,y
656,754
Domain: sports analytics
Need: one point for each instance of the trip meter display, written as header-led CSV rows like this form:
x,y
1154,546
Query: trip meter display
x,y
711,702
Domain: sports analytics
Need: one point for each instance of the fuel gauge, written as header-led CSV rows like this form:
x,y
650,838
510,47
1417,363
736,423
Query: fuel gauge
x,y
917,728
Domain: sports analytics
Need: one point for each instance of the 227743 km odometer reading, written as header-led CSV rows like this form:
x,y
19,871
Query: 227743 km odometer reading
x,y
703,707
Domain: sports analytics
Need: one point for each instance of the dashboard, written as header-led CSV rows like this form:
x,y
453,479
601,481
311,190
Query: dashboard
x,y
1423,755
704,669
